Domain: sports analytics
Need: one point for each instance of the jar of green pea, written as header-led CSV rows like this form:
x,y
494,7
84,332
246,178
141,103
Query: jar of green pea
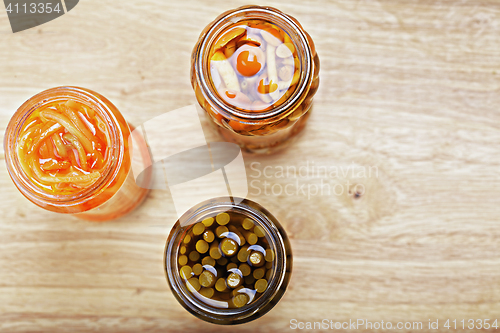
x,y
228,261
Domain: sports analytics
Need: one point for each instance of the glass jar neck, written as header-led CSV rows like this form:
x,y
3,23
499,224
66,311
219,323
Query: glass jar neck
x,y
261,217
113,159
284,22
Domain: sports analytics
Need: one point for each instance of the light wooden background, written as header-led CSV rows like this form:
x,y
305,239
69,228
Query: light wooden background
x,y
409,87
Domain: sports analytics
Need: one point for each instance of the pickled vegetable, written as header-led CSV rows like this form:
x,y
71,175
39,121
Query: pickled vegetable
x,y
207,279
259,231
222,218
237,234
245,269
254,66
207,292
220,285
221,230
202,246
185,272
250,237
256,258
240,300
243,254
229,247
255,76
193,284
215,251
234,280
197,269
247,224
231,266
194,256
208,236
261,285
249,280
208,261
222,261
183,260
226,258
269,255
259,273
198,228
63,147
208,221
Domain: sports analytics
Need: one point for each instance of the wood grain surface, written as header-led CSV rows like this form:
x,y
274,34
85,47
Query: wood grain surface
x,y
409,90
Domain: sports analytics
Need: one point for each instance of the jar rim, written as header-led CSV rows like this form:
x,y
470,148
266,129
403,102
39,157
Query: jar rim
x,y
247,13
102,106
209,208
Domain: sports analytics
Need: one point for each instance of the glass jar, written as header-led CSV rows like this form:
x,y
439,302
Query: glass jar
x,y
228,260
80,131
258,96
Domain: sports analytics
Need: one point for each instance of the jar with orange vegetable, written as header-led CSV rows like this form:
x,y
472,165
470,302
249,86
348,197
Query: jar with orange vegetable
x,y
68,151
255,71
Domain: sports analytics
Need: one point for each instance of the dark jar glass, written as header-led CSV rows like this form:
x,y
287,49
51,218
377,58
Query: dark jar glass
x,y
255,71
228,261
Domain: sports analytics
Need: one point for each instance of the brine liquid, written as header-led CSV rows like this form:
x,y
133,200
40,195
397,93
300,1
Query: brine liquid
x,y
254,66
225,260
63,147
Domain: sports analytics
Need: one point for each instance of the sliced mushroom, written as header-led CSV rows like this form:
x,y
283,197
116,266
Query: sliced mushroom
x,y
272,71
288,61
272,36
285,72
285,50
287,84
229,36
226,71
251,39
230,48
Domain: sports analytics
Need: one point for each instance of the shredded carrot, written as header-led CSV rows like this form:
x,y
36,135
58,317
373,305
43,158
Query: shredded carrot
x,y
69,126
44,136
82,156
62,147
62,179
55,165
76,120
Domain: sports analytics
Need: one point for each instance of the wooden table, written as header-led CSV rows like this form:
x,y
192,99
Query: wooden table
x,y
409,90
